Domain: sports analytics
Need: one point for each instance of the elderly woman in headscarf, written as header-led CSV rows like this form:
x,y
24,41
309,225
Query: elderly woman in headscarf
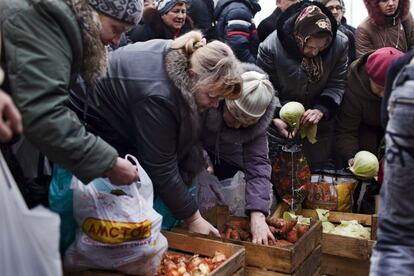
x,y
306,59
168,19
234,136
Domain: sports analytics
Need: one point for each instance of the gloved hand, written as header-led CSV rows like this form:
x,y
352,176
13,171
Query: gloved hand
x,y
196,223
259,228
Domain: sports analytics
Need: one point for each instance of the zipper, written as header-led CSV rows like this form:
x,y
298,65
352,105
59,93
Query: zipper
x,y
402,100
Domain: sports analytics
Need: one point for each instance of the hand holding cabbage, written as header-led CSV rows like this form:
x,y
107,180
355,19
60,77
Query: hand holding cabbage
x,y
293,118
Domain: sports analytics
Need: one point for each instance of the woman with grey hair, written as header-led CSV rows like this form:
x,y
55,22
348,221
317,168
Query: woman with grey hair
x,y
234,135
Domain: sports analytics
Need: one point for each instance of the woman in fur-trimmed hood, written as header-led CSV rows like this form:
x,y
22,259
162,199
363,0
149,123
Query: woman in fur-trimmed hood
x,y
234,135
166,21
153,113
47,45
389,24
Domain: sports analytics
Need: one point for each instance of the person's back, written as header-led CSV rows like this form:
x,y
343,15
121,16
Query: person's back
x,y
393,253
358,121
269,24
202,13
47,44
236,28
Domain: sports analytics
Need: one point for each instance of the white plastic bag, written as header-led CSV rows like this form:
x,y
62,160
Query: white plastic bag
x,y
234,190
119,229
29,239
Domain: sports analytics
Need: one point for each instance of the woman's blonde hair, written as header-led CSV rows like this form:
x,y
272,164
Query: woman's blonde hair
x,y
215,66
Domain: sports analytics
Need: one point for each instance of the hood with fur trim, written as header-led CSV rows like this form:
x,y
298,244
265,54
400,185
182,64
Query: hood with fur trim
x,y
94,60
380,19
192,162
214,119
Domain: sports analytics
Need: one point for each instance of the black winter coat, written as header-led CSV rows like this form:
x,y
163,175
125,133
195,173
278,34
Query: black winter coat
x,y
268,25
202,13
349,31
280,57
236,28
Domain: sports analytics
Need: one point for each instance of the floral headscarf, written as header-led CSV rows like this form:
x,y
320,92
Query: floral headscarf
x,y
312,21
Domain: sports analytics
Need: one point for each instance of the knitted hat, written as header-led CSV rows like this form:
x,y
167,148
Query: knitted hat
x,y
128,11
378,63
256,96
164,6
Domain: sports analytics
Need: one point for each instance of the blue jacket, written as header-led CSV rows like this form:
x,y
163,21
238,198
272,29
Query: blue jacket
x,y
236,28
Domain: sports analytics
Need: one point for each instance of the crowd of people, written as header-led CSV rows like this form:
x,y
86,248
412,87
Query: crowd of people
x,y
177,83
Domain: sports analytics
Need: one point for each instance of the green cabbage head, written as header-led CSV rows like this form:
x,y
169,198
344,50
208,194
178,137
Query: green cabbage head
x,y
364,164
291,112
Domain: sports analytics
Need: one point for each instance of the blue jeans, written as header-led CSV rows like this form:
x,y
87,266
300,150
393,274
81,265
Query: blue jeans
x,y
394,251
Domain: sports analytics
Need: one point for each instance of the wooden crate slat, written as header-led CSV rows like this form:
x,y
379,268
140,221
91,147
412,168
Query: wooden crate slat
x,y
374,227
207,247
309,267
306,244
340,266
345,246
311,264
336,217
196,245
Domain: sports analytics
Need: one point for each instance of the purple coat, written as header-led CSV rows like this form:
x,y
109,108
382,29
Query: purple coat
x,y
246,148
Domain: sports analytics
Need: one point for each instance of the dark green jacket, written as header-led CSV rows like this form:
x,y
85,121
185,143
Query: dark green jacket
x,y
358,123
43,55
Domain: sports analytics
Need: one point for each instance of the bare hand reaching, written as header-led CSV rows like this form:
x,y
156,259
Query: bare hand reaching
x,y
312,116
122,173
260,230
10,120
196,223
281,127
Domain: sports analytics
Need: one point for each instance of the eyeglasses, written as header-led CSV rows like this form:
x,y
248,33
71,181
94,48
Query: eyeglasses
x,y
338,8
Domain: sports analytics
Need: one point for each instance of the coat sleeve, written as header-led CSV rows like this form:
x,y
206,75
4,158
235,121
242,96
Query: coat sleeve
x,y
409,32
39,60
156,142
331,97
237,34
257,170
363,43
348,124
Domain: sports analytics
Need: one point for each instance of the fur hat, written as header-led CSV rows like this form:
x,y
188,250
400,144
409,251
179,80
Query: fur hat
x,y
256,96
378,63
128,11
164,6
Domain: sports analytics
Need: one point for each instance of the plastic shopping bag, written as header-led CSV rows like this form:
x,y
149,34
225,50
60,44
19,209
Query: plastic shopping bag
x,y
118,228
234,190
61,202
29,239
291,175
207,190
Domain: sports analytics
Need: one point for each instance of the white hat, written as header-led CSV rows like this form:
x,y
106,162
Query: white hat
x,y
256,96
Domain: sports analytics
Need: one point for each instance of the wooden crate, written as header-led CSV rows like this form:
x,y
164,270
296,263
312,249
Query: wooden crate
x,y
273,260
187,244
345,255
206,247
